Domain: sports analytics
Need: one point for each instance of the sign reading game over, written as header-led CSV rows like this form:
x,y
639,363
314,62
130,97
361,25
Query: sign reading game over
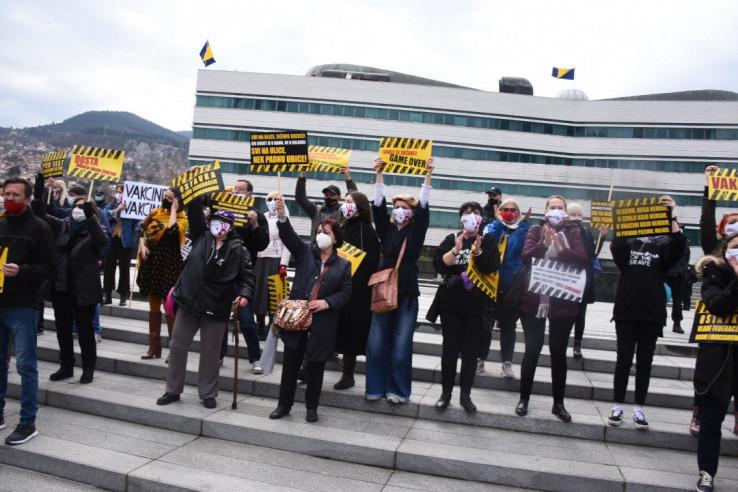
x,y
555,279
641,217
141,199
405,155
602,214
710,328
52,164
723,185
96,163
239,205
284,151
328,159
199,181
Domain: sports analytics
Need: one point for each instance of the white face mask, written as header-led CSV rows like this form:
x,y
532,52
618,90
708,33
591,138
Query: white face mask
x,y
731,253
348,210
70,201
471,222
78,215
323,240
402,214
217,228
119,197
272,206
554,217
731,228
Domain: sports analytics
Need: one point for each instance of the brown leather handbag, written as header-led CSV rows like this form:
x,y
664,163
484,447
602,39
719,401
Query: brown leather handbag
x,y
294,314
384,284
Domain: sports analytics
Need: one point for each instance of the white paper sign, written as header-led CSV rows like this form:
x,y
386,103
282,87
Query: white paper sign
x,y
555,279
140,199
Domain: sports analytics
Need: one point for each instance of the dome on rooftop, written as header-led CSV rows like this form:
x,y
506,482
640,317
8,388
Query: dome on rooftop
x,y
573,95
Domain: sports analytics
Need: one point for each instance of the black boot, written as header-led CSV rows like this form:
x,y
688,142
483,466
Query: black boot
x,y
64,372
108,299
521,409
347,378
467,404
677,328
87,376
443,401
577,349
559,410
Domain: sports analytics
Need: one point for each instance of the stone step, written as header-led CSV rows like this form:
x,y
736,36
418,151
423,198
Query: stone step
x,y
21,480
496,406
345,436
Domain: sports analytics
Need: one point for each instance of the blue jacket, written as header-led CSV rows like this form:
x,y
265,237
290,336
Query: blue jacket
x,y
511,262
129,227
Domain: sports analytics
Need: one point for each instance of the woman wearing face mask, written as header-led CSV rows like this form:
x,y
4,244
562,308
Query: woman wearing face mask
x,y
121,250
389,349
76,288
217,274
324,279
461,304
160,263
508,227
559,239
356,316
640,310
716,369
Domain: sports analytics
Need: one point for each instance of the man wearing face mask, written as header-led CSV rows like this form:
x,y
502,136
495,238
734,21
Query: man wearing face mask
x,y
489,213
331,208
218,273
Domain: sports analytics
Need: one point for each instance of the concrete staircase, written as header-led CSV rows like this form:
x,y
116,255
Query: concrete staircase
x,y
110,434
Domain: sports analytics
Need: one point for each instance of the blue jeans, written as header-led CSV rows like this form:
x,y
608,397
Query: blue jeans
x,y
21,324
247,326
389,352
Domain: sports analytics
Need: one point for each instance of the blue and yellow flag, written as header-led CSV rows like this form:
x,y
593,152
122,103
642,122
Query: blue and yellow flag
x,y
563,73
206,53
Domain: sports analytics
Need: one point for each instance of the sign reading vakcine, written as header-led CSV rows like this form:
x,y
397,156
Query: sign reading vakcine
x,y
281,151
710,328
140,199
641,217
405,155
96,163
199,181
723,185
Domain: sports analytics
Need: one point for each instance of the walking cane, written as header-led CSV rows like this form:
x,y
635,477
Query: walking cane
x,y
234,319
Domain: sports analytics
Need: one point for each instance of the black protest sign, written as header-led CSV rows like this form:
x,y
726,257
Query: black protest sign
x,y
52,164
199,181
280,151
641,217
238,205
602,214
710,328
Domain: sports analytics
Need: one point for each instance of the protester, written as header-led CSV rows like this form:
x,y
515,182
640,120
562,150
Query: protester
x,y
494,197
356,317
594,246
59,192
676,279
64,209
559,239
160,259
640,310
509,225
217,275
124,232
389,348
30,262
716,369
331,208
76,290
324,279
462,305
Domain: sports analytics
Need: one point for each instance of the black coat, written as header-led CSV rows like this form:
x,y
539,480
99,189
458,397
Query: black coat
x,y
257,239
356,316
589,244
79,248
211,280
714,370
334,289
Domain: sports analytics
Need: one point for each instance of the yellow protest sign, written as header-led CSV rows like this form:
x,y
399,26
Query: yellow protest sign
x,y
328,159
488,283
279,289
641,217
723,185
281,151
3,261
710,328
199,181
352,254
405,155
96,163
239,205
602,214
52,164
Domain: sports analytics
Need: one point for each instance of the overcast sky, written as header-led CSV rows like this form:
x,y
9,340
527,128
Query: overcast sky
x,y
60,58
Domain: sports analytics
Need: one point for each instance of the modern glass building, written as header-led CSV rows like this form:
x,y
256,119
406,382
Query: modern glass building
x,y
531,147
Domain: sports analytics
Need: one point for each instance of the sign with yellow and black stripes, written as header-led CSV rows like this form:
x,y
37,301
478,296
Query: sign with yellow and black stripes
x,y
279,152
352,254
489,283
723,185
3,261
96,163
602,214
53,163
199,181
710,328
279,289
641,217
328,159
405,155
239,205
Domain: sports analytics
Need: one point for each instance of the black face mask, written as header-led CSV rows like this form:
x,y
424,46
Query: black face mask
x,y
494,201
330,202
166,204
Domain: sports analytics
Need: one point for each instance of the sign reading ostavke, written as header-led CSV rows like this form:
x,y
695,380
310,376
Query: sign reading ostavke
x,y
555,279
141,199
199,181
710,328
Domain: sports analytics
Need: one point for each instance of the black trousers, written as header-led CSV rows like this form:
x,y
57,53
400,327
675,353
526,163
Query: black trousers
x,y
463,334
534,330
579,323
639,339
66,313
506,317
290,367
118,257
678,286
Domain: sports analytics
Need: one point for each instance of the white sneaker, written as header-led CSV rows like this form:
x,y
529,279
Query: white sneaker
x,y
507,370
480,366
393,399
257,369
639,420
98,338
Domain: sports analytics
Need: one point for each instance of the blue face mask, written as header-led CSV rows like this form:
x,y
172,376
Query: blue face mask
x,y
70,201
